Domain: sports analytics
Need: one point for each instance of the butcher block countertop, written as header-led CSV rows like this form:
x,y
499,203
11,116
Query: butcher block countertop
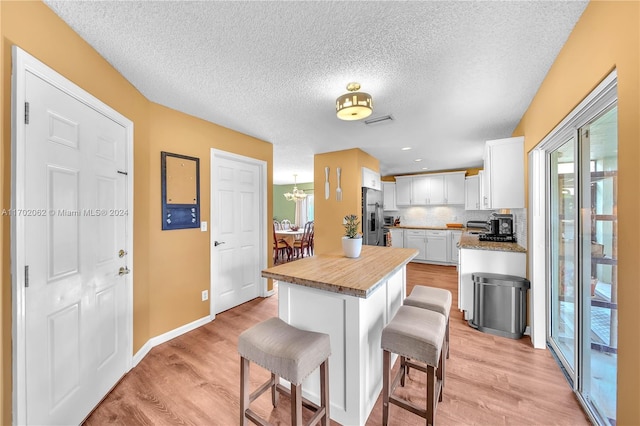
x,y
339,274
471,241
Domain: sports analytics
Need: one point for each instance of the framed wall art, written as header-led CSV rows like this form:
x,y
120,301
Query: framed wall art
x,y
180,191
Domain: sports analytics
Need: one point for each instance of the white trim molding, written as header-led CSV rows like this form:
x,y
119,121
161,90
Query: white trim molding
x,y
165,337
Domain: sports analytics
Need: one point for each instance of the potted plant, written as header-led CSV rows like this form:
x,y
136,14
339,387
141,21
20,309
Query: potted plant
x,y
352,240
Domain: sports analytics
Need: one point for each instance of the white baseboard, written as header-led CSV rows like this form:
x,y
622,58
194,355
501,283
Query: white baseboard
x,y
155,341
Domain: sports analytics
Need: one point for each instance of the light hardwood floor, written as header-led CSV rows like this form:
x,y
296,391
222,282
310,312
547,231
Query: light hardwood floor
x,y
194,379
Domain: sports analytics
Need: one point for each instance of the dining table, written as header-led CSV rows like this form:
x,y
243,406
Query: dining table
x,y
289,235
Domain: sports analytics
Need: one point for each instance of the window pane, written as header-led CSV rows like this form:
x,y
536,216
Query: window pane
x,y
600,265
563,248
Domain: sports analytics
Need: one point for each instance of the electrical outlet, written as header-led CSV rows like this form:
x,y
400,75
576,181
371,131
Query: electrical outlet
x,y
205,295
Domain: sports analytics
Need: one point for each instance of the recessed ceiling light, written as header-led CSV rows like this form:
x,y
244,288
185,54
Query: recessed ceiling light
x,y
406,148
425,168
417,160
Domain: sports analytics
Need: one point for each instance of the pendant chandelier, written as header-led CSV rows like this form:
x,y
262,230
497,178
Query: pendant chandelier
x,y
296,194
354,105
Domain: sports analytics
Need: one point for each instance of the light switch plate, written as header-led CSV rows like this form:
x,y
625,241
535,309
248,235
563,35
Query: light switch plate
x,y
203,226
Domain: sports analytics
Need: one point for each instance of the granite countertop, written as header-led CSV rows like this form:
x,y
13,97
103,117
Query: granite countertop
x,y
339,274
471,241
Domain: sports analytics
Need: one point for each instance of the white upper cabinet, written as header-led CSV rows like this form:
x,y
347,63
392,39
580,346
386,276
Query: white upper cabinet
x,y
472,193
371,179
419,190
436,190
403,191
503,178
389,196
454,188
432,189
484,202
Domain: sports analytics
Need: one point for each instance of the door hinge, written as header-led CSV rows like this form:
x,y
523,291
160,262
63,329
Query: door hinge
x,y
585,133
26,275
26,113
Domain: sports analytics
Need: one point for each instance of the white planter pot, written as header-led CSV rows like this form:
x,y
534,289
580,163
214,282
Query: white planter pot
x,y
351,246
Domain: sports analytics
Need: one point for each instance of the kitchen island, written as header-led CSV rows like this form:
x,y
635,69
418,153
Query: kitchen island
x,y
351,300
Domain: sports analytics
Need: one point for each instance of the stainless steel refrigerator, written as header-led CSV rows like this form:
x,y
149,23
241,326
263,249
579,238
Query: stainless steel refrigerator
x,y
372,221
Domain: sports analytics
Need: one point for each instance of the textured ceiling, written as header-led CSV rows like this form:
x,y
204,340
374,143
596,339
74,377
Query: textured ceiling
x,y
452,74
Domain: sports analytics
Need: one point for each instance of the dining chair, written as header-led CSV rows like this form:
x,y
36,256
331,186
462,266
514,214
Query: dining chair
x,y
304,244
311,242
285,223
277,225
280,247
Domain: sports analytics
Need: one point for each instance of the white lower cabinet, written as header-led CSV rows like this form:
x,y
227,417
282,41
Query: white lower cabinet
x,y
415,239
432,246
491,261
436,248
454,239
397,237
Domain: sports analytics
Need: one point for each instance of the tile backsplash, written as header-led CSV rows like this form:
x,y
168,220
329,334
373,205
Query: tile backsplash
x,y
437,216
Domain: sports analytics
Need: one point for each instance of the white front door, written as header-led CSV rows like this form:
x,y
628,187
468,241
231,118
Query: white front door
x,y
237,216
72,235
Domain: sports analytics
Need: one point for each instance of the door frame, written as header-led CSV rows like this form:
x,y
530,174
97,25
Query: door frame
x,y
602,97
262,220
24,63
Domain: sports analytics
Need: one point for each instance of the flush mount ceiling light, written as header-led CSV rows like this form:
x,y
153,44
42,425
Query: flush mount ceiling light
x,y
296,194
354,105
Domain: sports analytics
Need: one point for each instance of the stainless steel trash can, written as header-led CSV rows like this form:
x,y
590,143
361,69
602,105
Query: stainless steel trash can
x,y
499,304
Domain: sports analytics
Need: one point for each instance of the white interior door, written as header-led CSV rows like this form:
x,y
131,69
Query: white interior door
x,y
72,238
237,227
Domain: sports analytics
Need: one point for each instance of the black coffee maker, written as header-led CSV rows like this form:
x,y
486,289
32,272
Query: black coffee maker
x,y
500,224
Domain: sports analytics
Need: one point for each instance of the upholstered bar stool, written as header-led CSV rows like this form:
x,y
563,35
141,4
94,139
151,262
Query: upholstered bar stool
x,y
433,299
415,334
286,352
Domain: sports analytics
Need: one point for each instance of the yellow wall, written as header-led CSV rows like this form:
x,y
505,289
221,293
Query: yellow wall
x,y
180,258
606,37
329,213
168,278
5,367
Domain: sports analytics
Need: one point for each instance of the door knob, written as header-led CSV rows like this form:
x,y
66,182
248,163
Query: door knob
x,y
216,243
123,271
122,253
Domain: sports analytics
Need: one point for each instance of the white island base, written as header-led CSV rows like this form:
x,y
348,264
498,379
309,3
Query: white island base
x,y
354,325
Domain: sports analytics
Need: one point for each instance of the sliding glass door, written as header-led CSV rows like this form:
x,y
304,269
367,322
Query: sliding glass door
x,y
562,260
599,258
582,262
